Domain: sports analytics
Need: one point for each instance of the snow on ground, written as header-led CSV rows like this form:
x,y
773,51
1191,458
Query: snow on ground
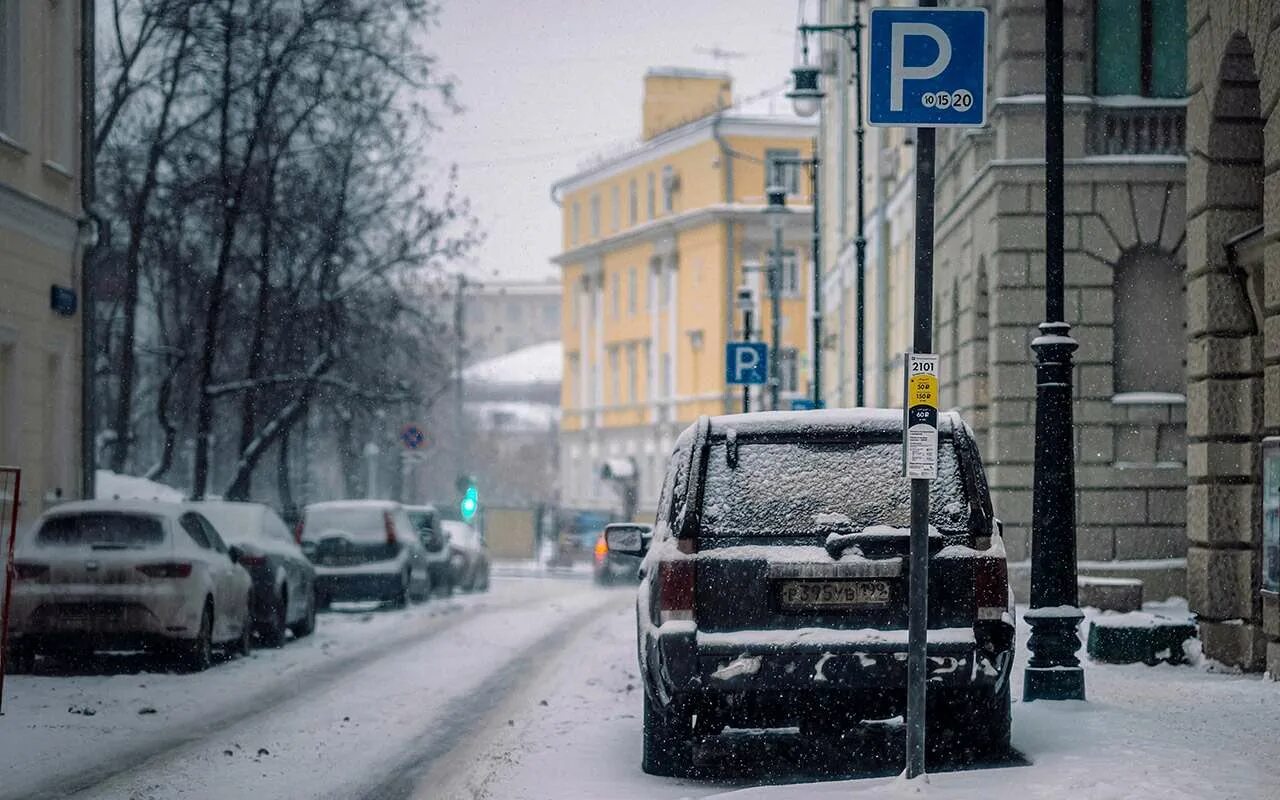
x,y
331,692
1168,732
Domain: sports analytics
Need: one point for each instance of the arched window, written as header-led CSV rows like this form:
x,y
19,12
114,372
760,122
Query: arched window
x,y
1150,324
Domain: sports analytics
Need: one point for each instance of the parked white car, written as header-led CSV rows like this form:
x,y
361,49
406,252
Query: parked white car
x,y
127,575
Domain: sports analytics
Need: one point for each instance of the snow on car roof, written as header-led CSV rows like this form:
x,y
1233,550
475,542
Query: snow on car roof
x,y
330,505
875,422
160,507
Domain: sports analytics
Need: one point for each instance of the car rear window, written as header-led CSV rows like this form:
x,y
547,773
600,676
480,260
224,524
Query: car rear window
x,y
102,529
356,523
793,488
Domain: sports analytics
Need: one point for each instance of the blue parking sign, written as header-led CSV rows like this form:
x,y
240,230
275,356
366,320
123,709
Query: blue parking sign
x,y
746,363
928,67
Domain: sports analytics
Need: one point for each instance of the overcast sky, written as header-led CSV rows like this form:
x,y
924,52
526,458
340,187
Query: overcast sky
x,y
548,83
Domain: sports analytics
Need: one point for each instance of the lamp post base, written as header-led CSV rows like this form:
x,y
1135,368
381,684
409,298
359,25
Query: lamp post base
x,y
1053,672
1052,683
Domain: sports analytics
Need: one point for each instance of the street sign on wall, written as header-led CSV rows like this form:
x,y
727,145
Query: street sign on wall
x,y
928,67
746,363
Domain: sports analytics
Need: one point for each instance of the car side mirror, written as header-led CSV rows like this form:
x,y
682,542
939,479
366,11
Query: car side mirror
x,y
235,554
628,538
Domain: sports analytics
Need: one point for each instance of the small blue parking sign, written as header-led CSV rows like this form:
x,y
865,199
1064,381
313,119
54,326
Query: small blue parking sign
x,y
746,363
927,67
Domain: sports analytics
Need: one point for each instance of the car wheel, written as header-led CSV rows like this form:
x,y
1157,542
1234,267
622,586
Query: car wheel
x,y
308,622
668,741
483,584
967,726
446,586
323,601
197,654
244,645
273,633
401,598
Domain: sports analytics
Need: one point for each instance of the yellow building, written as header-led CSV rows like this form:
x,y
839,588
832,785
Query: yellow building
x,y
40,248
655,240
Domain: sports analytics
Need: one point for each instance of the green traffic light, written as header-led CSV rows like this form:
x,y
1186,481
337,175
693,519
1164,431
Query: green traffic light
x,y
470,503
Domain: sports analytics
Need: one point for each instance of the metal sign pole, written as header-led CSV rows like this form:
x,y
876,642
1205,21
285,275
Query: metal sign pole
x,y
922,342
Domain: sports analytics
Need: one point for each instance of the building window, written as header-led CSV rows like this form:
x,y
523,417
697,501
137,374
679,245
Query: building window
x,y
1150,324
788,370
668,189
633,212
616,295
633,375
790,274
632,289
1140,47
787,175
595,216
649,387
653,209
616,198
11,68
60,89
575,226
615,376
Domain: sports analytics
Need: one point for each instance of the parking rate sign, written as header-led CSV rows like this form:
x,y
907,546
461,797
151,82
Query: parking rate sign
x,y
928,67
746,363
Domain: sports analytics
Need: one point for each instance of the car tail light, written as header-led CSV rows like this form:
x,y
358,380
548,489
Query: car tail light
x,y
297,532
170,569
676,578
991,588
389,525
602,549
252,559
26,571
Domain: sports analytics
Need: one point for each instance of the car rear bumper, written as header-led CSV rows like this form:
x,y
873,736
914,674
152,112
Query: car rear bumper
x,y
818,660
47,615
350,585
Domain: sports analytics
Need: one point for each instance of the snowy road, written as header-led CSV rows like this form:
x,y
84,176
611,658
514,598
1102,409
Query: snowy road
x,y
531,692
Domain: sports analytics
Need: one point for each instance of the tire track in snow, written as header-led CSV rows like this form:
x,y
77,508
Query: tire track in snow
x,y
116,763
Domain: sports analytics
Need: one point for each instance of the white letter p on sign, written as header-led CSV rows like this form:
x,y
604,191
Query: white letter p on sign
x,y
745,361
898,73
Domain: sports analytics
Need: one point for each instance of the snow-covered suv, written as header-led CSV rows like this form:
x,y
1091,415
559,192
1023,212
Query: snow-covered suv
x,y
774,585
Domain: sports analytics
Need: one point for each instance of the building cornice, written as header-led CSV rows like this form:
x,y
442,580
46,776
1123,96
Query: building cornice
x,y
684,137
667,226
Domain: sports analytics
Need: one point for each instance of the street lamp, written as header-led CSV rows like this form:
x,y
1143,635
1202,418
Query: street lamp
x,y
1053,671
806,98
777,212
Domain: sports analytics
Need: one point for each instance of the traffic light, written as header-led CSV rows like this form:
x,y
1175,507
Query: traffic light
x,y
470,502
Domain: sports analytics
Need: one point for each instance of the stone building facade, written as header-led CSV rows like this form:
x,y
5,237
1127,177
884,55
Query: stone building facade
x,y
1233,324
1124,226
41,249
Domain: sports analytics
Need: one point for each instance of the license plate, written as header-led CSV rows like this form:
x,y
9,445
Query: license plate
x,y
834,594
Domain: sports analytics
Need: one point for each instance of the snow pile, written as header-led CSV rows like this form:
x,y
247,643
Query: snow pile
x,y
540,363
110,485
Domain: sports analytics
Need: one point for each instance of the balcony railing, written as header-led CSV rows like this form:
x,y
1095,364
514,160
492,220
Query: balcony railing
x,y
1145,130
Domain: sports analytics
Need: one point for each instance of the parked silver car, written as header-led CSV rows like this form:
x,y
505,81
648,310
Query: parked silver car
x,y
365,550
283,579
468,556
126,575
426,521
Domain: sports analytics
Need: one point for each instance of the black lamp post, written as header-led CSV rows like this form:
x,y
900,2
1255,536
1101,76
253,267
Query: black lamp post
x,y
1053,671
777,213
806,96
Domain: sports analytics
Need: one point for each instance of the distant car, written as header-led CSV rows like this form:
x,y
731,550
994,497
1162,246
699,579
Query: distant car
x,y
468,556
127,575
774,592
613,567
364,550
426,522
284,581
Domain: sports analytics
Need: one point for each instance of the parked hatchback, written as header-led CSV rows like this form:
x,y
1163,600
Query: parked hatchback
x,y
128,575
364,550
283,579
468,556
775,589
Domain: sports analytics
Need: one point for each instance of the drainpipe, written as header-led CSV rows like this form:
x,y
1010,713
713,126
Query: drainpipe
x,y
726,165
882,277
90,226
